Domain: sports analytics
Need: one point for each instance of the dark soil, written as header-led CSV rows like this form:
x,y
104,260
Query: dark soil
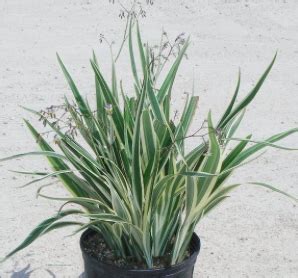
x,y
95,246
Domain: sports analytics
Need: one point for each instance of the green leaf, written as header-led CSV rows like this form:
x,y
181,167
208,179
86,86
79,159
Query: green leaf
x,y
141,50
100,102
81,103
41,229
110,99
186,118
85,202
232,102
137,177
167,84
250,96
72,183
42,153
212,163
132,56
258,146
268,186
29,173
54,174
264,143
114,82
235,152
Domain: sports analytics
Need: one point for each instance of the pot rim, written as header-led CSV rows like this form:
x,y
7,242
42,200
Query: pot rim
x,y
195,241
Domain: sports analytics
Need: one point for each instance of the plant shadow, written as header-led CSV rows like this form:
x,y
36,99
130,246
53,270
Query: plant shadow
x,y
23,273
27,271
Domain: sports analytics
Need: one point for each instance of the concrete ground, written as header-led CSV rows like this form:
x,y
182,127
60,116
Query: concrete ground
x,y
254,234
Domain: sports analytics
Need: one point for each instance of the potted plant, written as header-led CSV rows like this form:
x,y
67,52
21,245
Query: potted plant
x,y
140,193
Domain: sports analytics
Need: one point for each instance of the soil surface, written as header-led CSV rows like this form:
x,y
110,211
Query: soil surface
x,y
254,233
95,246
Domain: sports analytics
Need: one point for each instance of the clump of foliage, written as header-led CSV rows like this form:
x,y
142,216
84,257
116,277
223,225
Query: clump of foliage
x,y
135,183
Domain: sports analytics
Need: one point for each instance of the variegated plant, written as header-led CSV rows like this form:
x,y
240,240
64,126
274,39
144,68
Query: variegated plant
x,y
135,183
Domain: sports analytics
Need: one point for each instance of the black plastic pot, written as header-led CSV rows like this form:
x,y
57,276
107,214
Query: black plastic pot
x,y
97,269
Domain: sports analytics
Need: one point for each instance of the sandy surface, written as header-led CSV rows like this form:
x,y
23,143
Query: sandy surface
x,y
254,234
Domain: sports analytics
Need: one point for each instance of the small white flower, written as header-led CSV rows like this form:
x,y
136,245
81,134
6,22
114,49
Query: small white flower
x,y
109,108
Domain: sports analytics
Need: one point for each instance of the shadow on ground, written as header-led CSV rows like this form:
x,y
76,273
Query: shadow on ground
x,y
27,271
23,273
